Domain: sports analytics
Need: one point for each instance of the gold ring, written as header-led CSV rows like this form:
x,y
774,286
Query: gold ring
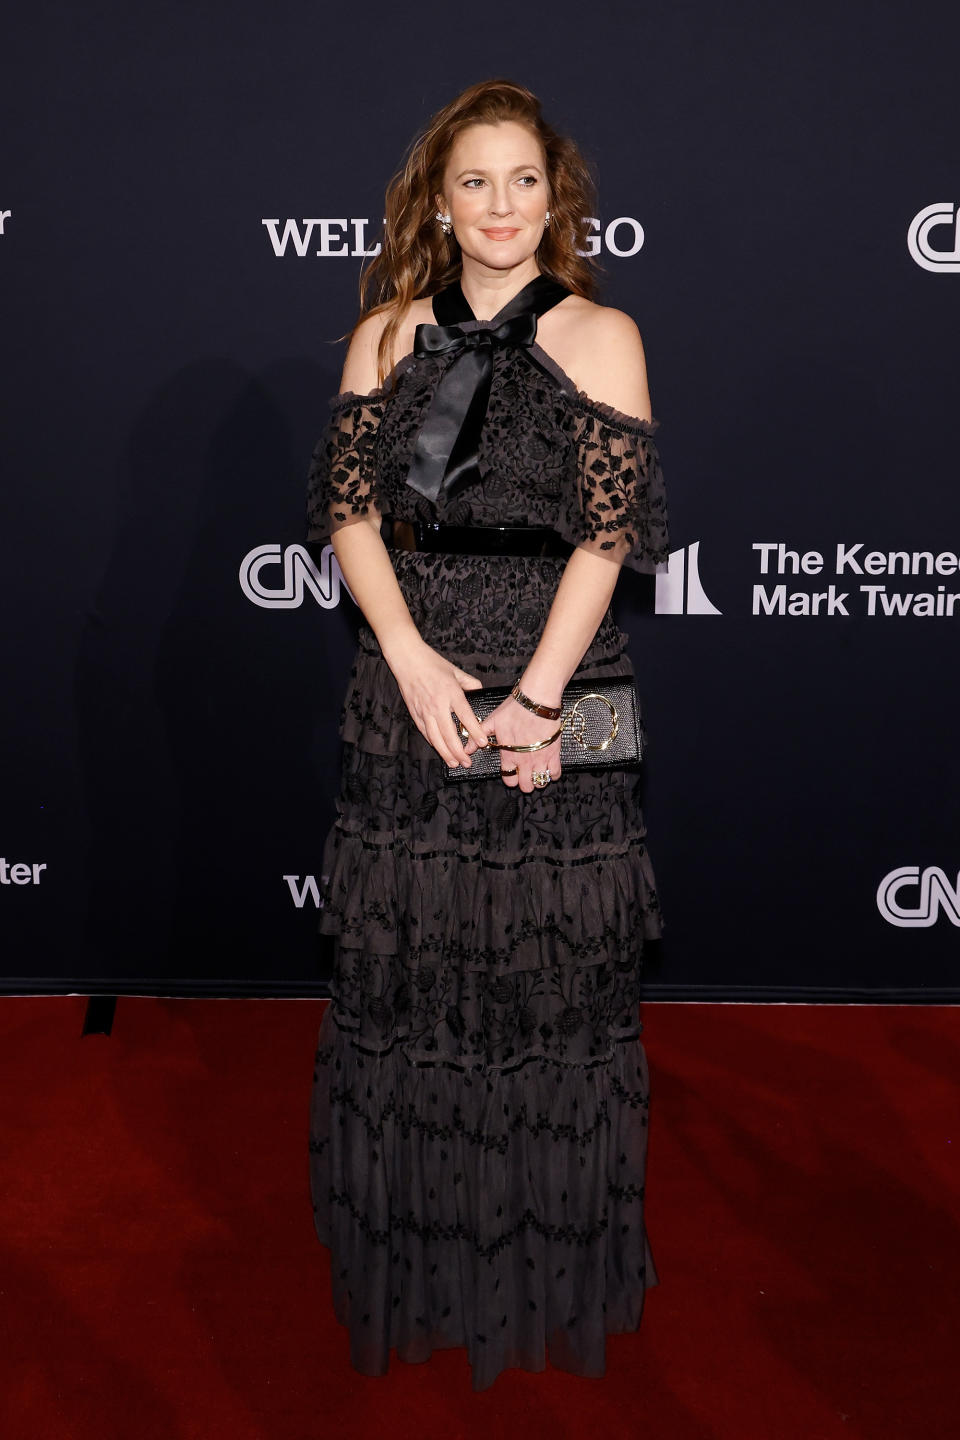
x,y
541,778
509,772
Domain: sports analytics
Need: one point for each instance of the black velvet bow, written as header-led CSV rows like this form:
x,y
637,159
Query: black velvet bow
x,y
445,456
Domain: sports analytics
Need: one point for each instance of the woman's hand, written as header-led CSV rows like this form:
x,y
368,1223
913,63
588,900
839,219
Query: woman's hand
x,y
514,724
433,691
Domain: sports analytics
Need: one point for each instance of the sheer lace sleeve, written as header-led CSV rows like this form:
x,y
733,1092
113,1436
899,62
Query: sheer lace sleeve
x,y
618,508
343,481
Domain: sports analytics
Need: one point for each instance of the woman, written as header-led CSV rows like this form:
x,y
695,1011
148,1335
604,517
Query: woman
x,y
478,1141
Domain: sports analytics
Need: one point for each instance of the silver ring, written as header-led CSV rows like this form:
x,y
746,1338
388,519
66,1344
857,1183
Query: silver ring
x,y
541,778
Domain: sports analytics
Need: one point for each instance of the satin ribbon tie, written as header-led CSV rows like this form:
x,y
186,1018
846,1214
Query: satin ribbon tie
x,y
445,456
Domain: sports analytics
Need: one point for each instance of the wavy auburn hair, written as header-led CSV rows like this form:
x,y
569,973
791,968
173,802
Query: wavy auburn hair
x,y
416,258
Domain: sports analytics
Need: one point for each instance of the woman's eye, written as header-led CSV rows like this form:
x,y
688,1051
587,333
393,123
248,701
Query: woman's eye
x,y
531,178
475,181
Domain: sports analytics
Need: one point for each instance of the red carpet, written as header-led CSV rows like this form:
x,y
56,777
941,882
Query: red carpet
x,y
161,1277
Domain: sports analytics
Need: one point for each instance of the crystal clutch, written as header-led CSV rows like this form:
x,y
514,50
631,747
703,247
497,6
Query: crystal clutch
x,y
599,726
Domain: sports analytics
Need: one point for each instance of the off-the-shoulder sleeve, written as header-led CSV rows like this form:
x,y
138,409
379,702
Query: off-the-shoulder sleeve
x,y
343,480
618,508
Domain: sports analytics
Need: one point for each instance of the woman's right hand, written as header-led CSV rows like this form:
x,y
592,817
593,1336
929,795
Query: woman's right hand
x,y
432,687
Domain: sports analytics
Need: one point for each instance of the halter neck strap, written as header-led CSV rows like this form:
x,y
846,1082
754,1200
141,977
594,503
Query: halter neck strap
x,y
450,306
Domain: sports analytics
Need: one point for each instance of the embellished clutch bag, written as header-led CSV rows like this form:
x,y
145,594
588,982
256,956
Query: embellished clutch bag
x,y
599,725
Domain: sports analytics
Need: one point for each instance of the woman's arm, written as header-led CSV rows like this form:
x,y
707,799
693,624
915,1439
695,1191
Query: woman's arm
x,y
583,596
431,685
611,368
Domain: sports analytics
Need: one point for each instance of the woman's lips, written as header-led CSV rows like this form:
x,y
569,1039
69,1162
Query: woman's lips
x,y
501,234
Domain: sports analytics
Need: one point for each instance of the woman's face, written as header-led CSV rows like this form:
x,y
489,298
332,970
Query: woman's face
x,y
495,192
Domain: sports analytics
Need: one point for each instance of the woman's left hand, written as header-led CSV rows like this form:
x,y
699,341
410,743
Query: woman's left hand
x,y
514,724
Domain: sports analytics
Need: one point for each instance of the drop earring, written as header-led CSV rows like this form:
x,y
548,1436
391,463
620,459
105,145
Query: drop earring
x,y
546,220
445,224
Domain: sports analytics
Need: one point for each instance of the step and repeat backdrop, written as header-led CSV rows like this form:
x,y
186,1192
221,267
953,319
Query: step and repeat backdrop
x,y
187,196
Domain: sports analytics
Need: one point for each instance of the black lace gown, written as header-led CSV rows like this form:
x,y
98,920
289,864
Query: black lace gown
x,y
480,1102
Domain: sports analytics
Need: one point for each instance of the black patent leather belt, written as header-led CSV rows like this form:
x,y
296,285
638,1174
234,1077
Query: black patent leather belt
x,y
473,539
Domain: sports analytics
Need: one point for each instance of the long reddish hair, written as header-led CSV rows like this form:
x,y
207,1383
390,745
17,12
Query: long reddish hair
x,y
417,259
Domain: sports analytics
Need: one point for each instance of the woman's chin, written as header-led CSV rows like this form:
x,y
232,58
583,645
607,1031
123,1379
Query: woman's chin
x,y
500,254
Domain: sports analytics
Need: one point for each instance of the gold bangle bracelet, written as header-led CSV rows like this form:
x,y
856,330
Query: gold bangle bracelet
x,y
546,712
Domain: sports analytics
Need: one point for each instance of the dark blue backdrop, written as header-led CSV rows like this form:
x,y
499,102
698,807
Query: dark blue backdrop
x,y
169,737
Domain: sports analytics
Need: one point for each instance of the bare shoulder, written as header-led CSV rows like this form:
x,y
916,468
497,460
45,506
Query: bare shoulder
x,y
360,364
605,355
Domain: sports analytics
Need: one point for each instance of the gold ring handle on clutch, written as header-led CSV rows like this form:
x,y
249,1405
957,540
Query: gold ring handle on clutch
x,y
571,718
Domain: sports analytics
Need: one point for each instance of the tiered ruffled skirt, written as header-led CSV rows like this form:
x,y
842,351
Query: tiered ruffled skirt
x,y
480,1104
